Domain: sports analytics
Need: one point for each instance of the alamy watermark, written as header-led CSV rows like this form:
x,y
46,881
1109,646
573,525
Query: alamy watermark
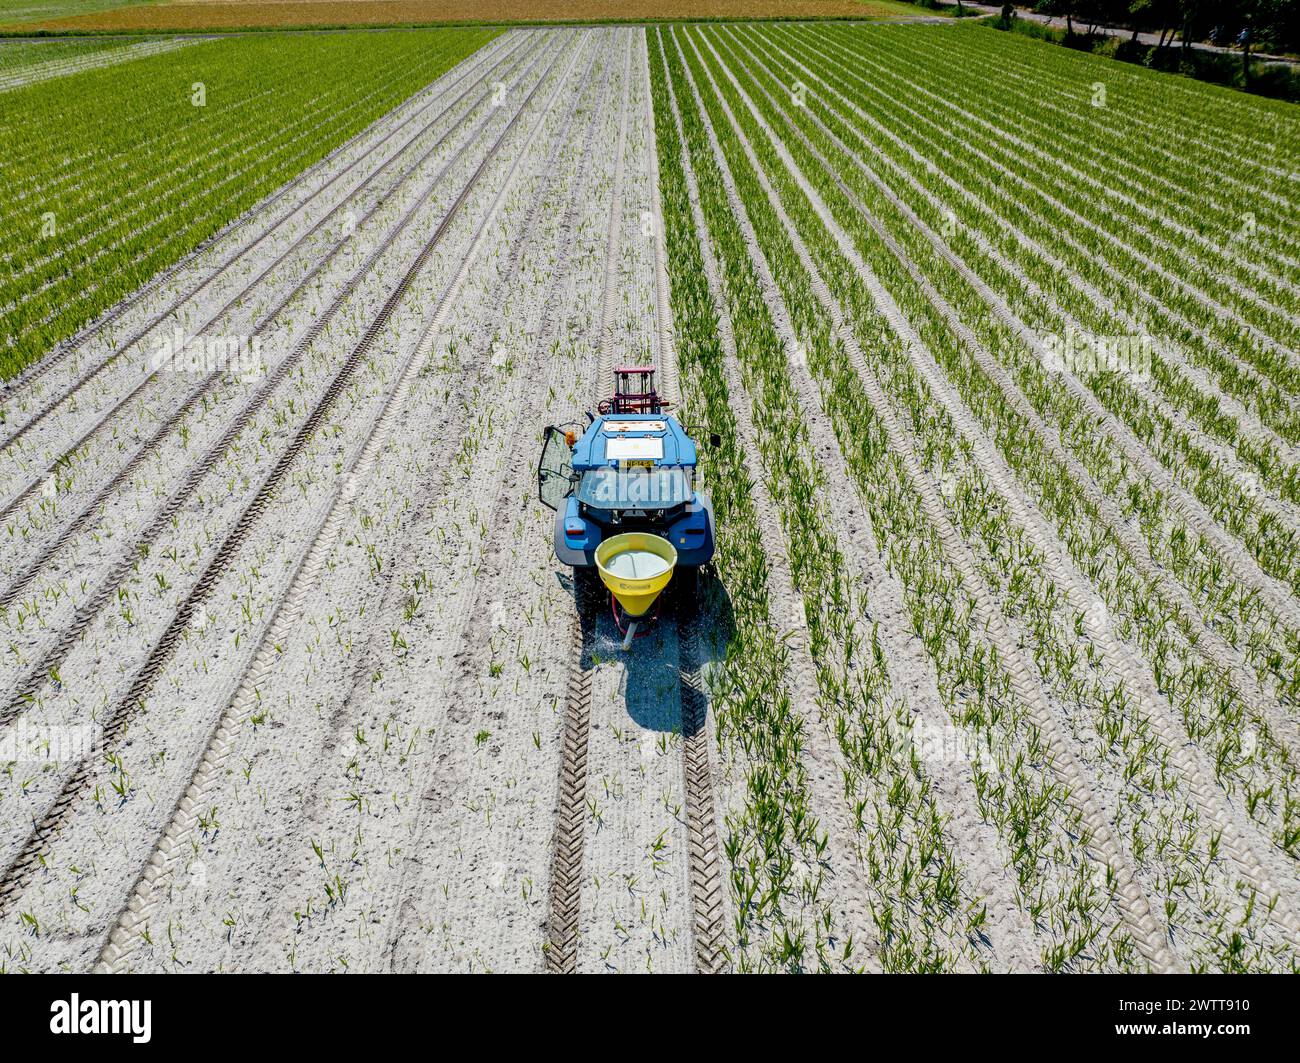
x,y
241,356
129,1018
1081,352
950,744
25,743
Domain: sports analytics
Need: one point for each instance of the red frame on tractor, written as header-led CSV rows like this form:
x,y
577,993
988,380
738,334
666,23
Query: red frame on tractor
x,y
627,400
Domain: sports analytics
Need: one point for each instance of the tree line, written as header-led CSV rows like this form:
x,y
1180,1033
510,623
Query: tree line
x,y
1248,25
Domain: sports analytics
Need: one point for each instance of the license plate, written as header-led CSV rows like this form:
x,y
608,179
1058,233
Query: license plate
x,y
638,465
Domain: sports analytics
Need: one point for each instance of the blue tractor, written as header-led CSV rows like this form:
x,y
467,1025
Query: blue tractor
x,y
628,473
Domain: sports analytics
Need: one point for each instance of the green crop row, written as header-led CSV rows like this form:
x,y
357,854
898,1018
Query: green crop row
x,y
1002,174
1212,709
1164,164
1069,902
1171,850
1177,134
1271,541
924,914
1231,608
183,143
17,54
780,919
1179,160
1124,265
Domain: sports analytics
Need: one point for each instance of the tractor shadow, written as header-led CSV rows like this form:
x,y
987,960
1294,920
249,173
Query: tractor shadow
x,y
694,626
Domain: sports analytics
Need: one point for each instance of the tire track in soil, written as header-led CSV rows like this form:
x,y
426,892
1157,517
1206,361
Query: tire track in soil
x,y
976,846
1211,801
679,646
1131,902
39,565
39,674
475,629
28,860
176,841
637,893
1214,646
565,889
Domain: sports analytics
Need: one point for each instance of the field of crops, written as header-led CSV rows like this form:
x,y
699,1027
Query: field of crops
x,y
197,137
145,15
998,663
30,11
21,53
29,61
1098,561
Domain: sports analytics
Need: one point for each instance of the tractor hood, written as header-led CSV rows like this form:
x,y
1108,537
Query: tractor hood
x,y
621,440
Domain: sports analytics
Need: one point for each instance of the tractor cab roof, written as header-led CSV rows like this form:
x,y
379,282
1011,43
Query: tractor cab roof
x,y
635,438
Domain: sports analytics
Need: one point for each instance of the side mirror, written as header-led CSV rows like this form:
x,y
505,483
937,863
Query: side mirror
x,y
715,440
554,469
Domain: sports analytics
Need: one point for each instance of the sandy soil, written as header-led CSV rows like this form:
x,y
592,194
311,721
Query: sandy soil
x,y
388,802
350,756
